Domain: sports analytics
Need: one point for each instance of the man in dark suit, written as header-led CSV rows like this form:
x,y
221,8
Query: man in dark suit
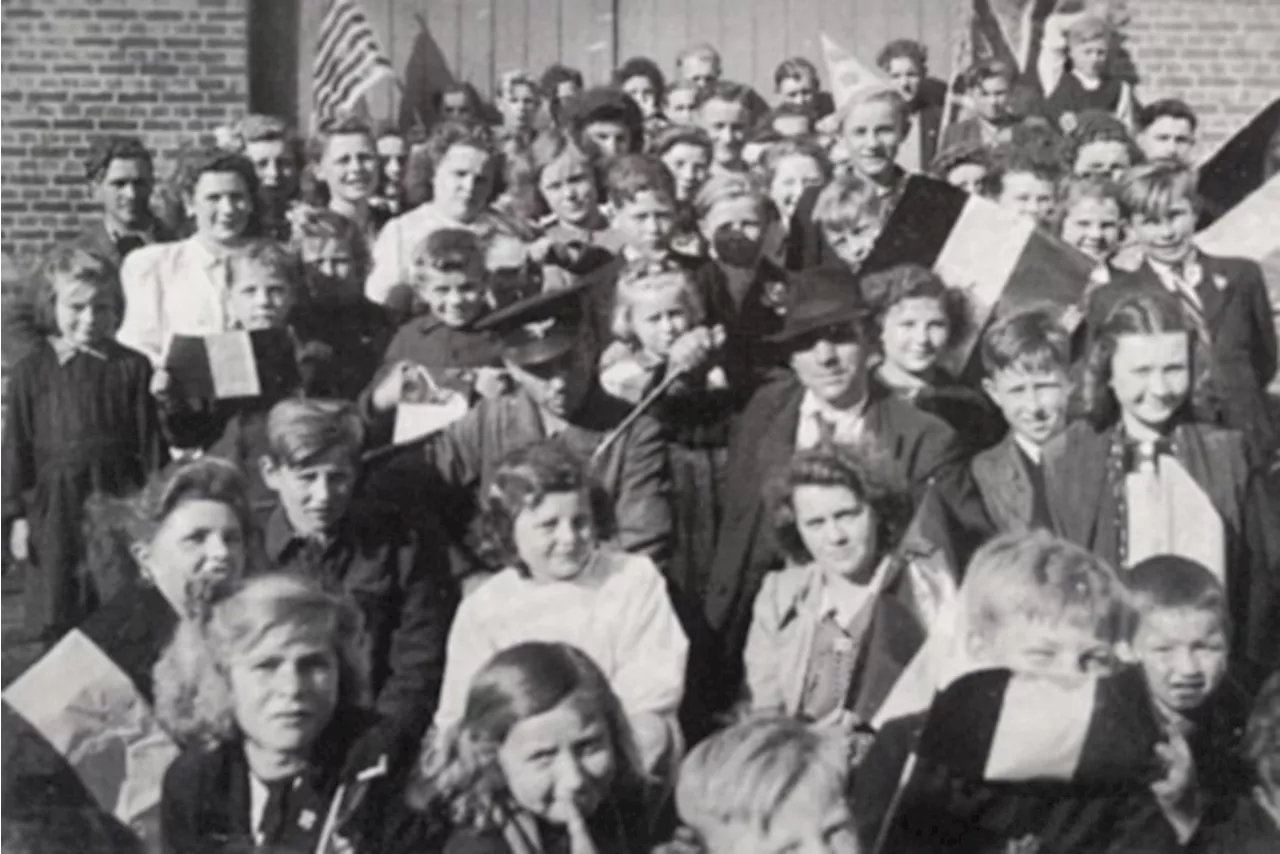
x,y
829,397
989,86
122,175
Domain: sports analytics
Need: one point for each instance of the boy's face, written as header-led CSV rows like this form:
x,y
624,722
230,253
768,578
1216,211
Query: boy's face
x,y
1092,225
125,191
906,76
1168,138
873,133
519,106
801,91
1103,158
832,363
330,270
1088,57
680,105
611,139
1184,655
567,89
801,827
1166,237
257,299
968,177
86,314
1044,648
568,187
791,177
646,222
726,123
990,98
349,167
1029,195
456,106
314,496
914,333
689,165
701,71
1034,402
561,385
853,244
455,297
1151,376
275,166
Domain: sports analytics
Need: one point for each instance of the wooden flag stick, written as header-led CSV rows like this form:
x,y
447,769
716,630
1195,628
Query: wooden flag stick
x,y
640,408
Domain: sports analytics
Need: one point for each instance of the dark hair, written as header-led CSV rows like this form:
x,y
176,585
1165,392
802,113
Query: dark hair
x,y
959,154
793,69
449,250
641,66
522,479
887,288
1262,733
1097,126
1166,107
198,161
1017,159
904,48
988,69
632,174
104,149
420,171
557,74
1032,339
861,469
1171,582
673,135
473,98
1141,314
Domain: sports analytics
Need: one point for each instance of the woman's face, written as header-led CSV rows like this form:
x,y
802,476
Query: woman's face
x,y
914,333
658,319
456,106
689,165
560,762
349,167
221,206
463,182
1151,376
791,177
641,90
555,537
569,188
1092,225
1102,158
284,688
198,545
838,528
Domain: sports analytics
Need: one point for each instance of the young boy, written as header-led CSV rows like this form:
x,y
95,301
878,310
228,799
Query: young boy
x,y
1025,357
1167,130
1035,605
724,115
393,567
1181,636
906,63
699,65
1024,181
849,215
768,785
1073,70
453,283
277,156
988,85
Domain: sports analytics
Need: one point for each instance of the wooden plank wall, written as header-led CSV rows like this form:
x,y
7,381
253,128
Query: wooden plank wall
x,y
477,40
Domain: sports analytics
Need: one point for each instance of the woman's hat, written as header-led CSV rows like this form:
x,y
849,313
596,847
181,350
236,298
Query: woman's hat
x,y
819,298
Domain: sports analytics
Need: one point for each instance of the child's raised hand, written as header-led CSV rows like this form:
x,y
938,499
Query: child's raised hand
x,y
1177,791
691,350
390,389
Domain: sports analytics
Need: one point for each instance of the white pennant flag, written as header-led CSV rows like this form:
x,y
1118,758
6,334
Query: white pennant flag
x,y
847,74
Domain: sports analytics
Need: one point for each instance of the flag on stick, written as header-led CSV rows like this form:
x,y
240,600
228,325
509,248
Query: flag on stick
x,y
348,61
232,365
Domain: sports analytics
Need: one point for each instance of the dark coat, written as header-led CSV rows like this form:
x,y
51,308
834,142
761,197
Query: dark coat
x,y
1006,486
1241,328
925,450
1082,509
807,246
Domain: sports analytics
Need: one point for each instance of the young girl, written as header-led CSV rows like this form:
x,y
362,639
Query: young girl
x,y
686,152
644,83
518,99
542,760
547,523
1141,475
568,185
80,420
659,330
919,318
1100,146
847,216
789,168
282,755
1093,222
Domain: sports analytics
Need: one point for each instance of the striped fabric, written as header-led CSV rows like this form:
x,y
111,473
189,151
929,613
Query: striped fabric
x,y
999,258
348,61
84,756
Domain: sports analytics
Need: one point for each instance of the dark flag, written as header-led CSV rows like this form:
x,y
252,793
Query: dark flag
x,y
1240,166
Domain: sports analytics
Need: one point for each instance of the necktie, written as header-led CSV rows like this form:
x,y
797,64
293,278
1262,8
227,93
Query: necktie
x,y
1184,280
826,431
1145,456
276,810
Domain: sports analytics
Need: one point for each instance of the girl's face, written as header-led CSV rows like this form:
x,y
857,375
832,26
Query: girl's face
x,y
658,319
741,213
555,537
838,528
1029,195
726,123
393,153
791,177
680,105
689,165
257,299
284,688
86,314
1102,158
873,133
1092,225
200,543
462,182
1088,57
968,177
569,189
519,106
1167,238
853,244
914,333
275,165
221,206
560,762
641,90
1151,376
349,167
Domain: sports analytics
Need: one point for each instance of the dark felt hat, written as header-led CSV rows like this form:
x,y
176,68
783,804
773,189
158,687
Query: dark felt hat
x,y
605,104
819,298
540,328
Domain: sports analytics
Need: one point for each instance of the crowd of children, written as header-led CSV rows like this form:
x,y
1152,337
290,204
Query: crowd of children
x,y
607,498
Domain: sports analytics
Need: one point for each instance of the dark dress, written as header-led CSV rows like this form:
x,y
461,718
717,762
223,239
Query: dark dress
x,y
348,338
1070,96
75,429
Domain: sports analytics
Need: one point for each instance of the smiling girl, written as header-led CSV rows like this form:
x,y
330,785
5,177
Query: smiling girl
x,y
346,164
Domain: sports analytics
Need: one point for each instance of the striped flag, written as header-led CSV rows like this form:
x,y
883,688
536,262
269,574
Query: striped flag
x,y
84,756
999,258
349,60
1002,726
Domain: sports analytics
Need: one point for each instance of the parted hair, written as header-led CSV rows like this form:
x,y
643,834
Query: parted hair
x,y
1031,339
794,68
886,288
738,783
522,479
193,698
1151,189
300,430
672,135
634,286
1166,107
1041,577
629,175
64,265
1174,583
104,149
458,772
1141,314
907,49
338,126
260,127
871,95
863,470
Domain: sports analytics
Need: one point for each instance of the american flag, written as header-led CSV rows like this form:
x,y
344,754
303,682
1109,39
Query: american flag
x,y
349,60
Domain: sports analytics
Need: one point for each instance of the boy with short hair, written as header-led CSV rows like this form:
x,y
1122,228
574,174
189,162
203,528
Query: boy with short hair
x,y
392,567
700,66
1025,357
724,115
988,86
906,63
768,784
1024,181
1167,130
1037,606
1073,70
850,214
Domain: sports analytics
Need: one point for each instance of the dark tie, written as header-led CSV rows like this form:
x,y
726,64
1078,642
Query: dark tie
x,y
276,811
1139,455
127,243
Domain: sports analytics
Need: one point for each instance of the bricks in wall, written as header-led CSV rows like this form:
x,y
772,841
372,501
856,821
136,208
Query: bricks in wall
x,y
1220,56
167,70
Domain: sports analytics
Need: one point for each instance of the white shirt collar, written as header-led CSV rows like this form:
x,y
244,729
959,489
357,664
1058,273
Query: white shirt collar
x,y
1031,449
847,423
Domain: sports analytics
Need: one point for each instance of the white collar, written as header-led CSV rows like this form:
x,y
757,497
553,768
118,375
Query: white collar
x,y
1031,449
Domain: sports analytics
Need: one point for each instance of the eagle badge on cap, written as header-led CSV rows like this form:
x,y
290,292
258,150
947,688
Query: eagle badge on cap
x,y
540,328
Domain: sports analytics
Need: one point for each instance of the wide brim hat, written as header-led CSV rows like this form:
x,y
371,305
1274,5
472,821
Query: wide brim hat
x,y
541,328
820,298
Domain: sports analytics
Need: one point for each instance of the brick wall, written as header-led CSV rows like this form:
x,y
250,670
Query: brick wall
x,y
164,69
1221,56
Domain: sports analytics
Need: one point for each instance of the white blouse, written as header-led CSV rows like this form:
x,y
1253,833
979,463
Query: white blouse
x,y
172,289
